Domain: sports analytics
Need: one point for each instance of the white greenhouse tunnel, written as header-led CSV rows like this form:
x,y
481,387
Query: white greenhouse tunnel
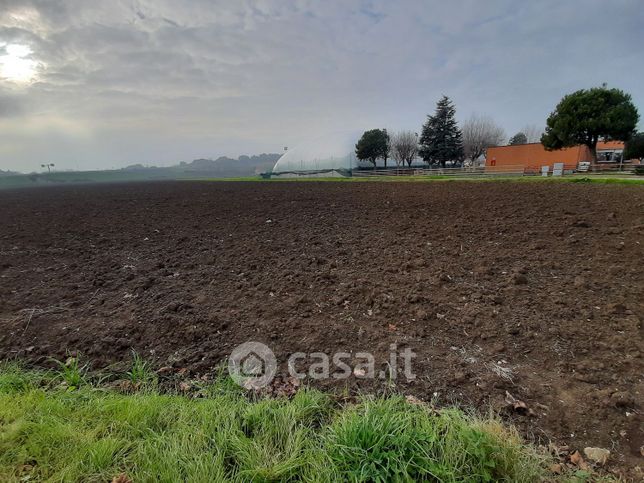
x,y
332,151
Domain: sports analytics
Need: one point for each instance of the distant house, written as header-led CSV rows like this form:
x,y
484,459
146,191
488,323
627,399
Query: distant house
x,y
610,152
529,158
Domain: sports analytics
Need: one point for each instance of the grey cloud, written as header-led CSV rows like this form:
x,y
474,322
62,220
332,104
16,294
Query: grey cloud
x,y
12,106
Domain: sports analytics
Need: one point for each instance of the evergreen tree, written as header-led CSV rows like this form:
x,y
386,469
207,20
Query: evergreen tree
x,y
586,116
518,138
386,147
441,139
635,147
372,145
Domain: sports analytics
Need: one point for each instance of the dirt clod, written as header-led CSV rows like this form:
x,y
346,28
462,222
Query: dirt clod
x,y
597,455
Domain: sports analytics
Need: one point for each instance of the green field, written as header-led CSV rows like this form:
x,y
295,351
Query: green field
x,y
78,177
168,174
576,178
64,426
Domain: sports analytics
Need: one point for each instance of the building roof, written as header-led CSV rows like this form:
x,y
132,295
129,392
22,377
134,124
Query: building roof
x,y
610,145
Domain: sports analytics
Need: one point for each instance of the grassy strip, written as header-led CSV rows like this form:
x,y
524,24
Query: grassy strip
x,y
437,177
74,178
52,431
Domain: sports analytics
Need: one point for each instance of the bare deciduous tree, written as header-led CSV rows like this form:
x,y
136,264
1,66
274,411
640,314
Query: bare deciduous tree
x,y
404,146
479,133
533,133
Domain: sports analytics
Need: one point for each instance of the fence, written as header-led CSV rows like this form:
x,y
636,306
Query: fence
x,y
454,172
493,171
466,171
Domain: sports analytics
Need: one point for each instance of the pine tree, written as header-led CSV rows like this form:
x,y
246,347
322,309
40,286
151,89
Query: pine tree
x,y
588,115
441,139
518,138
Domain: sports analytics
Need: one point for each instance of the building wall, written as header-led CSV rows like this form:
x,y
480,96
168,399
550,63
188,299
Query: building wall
x,y
530,157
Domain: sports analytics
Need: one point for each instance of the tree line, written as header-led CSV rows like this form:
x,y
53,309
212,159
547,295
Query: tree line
x,y
583,117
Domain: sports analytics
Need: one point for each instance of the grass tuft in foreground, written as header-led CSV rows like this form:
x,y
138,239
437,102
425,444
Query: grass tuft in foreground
x,y
49,432
141,373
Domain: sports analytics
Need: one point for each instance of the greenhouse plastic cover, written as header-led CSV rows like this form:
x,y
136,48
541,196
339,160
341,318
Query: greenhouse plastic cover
x,y
332,151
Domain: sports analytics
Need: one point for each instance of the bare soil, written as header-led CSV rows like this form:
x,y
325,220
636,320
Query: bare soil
x,y
529,289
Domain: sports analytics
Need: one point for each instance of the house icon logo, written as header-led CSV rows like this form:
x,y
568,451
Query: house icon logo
x,y
252,365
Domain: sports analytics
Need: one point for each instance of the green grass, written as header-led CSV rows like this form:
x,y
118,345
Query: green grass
x,y
141,373
121,176
90,433
72,373
78,177
599,179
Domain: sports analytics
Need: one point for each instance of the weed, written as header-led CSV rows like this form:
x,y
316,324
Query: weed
x,y
71,372
141,373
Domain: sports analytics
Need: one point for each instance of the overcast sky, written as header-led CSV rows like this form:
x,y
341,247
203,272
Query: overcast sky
x,y
99,84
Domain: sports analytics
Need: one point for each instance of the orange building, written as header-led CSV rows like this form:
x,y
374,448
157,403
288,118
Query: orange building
x,y
529,158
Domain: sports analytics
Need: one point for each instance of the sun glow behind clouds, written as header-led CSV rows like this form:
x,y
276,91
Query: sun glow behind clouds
x,y
16,66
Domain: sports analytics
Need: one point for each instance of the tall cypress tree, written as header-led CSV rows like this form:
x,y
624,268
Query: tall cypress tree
x,y
441,139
